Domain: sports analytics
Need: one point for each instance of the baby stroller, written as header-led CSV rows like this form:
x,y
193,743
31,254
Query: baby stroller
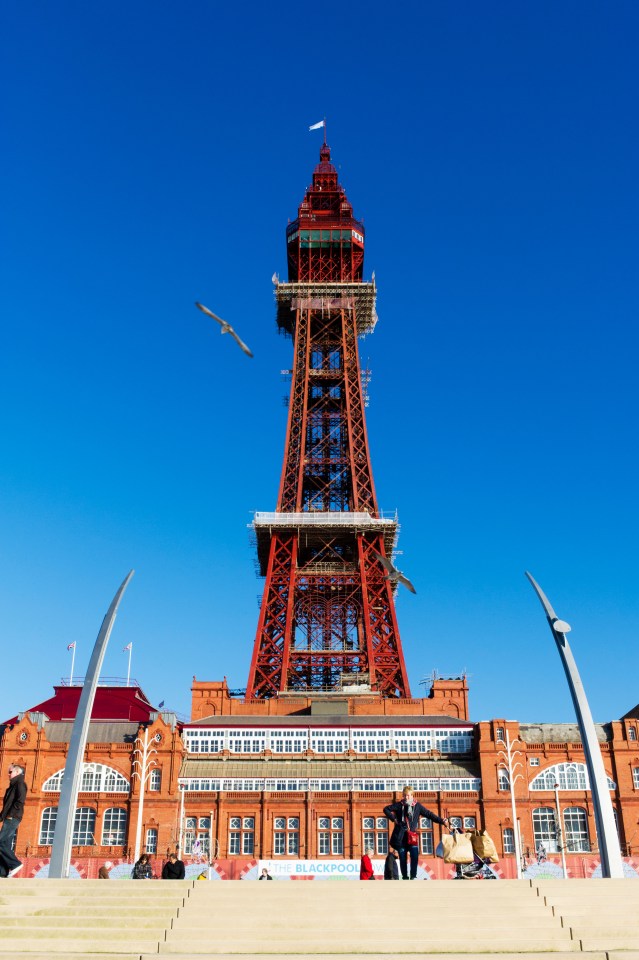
x,y
479,869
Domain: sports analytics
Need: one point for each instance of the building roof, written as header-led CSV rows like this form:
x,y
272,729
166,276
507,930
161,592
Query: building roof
x,y
100,731
320,720
261,768
559,732
111,703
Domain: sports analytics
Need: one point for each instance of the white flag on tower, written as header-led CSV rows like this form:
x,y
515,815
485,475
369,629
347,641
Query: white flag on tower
x,y
316,126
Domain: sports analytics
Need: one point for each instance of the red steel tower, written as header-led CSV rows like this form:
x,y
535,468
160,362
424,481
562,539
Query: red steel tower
x,y
327,619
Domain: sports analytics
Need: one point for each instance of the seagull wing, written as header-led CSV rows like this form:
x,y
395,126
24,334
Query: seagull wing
x,y
226,327
387,565
210,313
407,583
240,342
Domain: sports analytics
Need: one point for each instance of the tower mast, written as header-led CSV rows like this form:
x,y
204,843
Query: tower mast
x,y
327,620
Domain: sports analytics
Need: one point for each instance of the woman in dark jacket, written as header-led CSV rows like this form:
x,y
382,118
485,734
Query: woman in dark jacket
x,y
405,815
142,869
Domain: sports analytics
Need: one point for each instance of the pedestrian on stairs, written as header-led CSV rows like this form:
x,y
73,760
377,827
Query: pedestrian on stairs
x,y
11,815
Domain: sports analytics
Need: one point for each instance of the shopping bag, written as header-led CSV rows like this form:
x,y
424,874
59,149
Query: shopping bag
x,y
483,845
457,848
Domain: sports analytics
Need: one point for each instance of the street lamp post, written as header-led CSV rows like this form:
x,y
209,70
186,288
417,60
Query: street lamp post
x,y
144,765
182,787
611,862
560,833
507,753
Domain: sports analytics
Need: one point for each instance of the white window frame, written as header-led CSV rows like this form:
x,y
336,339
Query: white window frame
x,y
241,836
544,824
508,840
330,840
47,826
84,827
286,836
96,778
569,776
576,835
114,824
151,840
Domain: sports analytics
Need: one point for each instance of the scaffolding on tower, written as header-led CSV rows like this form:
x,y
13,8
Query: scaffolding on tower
x,y
327,619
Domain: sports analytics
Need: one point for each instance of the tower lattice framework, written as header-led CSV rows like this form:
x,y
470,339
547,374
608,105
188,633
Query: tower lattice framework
x,y
327,619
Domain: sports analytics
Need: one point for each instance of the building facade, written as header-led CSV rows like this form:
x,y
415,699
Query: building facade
x,y
306,778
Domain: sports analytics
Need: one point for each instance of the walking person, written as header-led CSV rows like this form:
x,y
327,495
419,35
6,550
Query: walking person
x,y
103,872
366,871
11,815
391,870
405,815
173,869
265,875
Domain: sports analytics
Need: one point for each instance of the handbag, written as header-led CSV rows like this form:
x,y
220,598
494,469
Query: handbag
x,y
483,845
457,848
411,837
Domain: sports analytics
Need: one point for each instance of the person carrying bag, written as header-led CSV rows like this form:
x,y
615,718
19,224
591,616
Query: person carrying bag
x,y
405,815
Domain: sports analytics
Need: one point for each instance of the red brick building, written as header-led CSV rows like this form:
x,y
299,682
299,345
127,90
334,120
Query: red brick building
x,y
307,777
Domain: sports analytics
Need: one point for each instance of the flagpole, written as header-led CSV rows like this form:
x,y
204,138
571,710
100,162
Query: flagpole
x,y
128,674
324,131
72,664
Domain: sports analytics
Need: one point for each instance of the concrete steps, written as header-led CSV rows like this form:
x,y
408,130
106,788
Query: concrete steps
x,y
601,914
114,920
437,920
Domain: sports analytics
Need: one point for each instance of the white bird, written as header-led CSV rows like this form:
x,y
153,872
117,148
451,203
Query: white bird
x,y
393,574
226,327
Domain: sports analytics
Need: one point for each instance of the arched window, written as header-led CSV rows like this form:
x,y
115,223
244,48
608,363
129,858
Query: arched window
x,y
114,827
576,830
503,782
47,826
545,829
155,780
635,777
84,827
96,778
569,776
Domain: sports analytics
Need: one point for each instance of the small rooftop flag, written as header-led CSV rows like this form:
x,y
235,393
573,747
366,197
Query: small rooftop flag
x,y
71,646
160,704
316,126
128,647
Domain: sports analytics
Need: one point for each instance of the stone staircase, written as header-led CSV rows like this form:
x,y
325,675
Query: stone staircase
x,y
444,920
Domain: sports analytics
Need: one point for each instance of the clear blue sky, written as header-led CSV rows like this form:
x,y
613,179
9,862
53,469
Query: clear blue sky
x,y
153,154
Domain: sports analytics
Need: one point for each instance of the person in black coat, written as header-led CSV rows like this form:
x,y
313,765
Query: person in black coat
x,y
173,869
405,815
11,815
391,871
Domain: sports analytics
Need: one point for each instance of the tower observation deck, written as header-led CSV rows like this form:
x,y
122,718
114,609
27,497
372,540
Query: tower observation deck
x,y
327,620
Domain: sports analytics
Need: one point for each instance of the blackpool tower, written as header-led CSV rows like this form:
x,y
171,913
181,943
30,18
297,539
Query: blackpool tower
x,y
327,619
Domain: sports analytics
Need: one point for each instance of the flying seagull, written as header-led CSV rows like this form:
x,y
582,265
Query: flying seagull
x,y
226,327
393,574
